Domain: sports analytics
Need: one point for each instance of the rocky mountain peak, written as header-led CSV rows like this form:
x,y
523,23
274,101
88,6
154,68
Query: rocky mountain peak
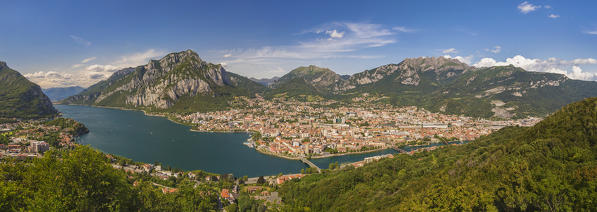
x,y
180,56
3,65
322,79
433,63
169,61
310,70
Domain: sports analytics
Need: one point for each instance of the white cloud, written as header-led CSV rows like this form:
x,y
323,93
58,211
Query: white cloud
x,y
594,32
402,29
554,16
80,40
450,51
467,59
526,7
334,34
577,73
51,79
86,60
583,61
552,65
495,50
89,59
84,74
332,41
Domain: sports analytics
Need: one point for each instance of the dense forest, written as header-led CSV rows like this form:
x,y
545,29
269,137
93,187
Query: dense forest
x,y
549,167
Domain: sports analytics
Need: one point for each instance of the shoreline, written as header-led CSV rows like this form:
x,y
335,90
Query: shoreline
x,y
232,131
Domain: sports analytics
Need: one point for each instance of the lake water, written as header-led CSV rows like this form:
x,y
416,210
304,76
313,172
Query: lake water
x,y
156,139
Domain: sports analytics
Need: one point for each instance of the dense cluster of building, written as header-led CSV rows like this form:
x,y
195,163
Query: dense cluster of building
x,y
295,129
27,138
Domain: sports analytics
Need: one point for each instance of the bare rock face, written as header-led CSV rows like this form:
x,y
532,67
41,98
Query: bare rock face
x,y
373,75
176,75
161,83
408,71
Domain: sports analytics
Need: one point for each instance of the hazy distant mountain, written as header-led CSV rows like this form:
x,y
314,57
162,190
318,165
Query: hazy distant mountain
x,y
265,81
20,98
178,82
59,93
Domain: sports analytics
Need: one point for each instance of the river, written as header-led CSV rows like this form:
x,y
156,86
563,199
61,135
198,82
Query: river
x,y
152,139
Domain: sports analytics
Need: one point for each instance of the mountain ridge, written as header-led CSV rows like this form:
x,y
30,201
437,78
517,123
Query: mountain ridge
x,y
175,82
59,93
438,84
21,98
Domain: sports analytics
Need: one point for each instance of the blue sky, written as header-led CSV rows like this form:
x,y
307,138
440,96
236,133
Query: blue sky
x,y
62,43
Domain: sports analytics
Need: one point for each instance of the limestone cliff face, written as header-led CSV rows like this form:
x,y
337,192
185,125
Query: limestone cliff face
x,y
162,83
408,72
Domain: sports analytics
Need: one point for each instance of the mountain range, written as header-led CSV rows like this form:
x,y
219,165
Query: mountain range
x,y
60,93
183,82
20,98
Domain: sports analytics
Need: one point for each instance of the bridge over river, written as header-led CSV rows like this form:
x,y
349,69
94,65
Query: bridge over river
x,y
311,164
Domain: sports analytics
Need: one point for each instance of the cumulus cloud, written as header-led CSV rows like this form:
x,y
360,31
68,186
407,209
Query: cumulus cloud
x,y
84,74
51,79
554,16
467,59
329,41
570,68
334,34
80,40
526,7
450,51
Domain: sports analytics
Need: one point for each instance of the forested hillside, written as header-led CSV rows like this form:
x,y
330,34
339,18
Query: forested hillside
x,y
20,98
83,180
551,166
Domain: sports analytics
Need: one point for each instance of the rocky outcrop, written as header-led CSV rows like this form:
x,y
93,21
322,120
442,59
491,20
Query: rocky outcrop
x,y
408,71
161,83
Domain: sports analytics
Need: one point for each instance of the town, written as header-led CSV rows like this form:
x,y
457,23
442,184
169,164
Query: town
x,y
294,129
24,139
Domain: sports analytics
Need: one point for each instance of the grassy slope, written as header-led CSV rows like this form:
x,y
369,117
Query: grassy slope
x,y
21,98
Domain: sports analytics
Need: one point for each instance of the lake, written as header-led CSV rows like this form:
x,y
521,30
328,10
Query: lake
x,y
151,139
